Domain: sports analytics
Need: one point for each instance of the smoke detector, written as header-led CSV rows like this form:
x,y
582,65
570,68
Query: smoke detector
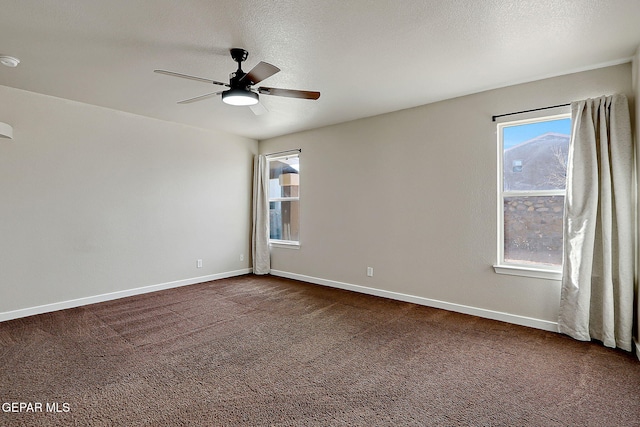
x,y
9,61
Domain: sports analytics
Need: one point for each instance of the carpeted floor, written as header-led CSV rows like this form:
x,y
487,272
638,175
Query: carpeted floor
x,y
266,351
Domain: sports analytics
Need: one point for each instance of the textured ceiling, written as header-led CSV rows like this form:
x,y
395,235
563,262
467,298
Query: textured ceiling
x,y
365,57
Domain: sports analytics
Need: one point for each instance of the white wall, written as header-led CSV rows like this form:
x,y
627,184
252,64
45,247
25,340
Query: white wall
x,y
413,194
95,201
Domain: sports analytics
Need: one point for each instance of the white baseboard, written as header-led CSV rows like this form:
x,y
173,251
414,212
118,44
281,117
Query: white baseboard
x,y
24,312
637,348
458,308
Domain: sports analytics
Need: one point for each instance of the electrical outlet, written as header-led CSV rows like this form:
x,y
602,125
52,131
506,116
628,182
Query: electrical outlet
x,y
370,271
241,257
199,263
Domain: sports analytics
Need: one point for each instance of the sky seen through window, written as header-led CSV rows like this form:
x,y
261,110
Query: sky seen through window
x,y
514,135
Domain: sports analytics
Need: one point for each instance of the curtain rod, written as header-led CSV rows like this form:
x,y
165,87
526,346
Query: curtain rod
x,y
299,150
493,118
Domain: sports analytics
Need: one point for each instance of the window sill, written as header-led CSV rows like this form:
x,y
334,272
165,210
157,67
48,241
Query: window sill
x,y
284,244
539,273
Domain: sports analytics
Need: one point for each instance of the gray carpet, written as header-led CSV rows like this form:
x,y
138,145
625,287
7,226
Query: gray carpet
x,y
266,351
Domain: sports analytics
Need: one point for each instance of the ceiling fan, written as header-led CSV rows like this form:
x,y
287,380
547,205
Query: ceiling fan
x,y
241,90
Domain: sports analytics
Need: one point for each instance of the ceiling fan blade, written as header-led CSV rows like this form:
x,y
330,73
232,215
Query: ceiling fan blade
x,y
199,98
185,76
290,93
260,72
258,109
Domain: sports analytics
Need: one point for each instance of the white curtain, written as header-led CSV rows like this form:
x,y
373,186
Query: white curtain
x,y
260,237
598,269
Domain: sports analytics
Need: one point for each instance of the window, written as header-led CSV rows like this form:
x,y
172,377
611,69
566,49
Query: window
x,y
284,199
531,188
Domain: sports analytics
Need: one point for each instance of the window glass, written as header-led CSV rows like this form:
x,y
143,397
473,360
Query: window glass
x,y
533,229
284,221
533,159
284,202
535,155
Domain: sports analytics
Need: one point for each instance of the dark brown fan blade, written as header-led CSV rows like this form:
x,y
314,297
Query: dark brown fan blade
x,y
185,76
199,98
290,93
260,72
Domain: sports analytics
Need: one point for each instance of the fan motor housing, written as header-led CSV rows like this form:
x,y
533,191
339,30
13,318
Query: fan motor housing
x,y
239,55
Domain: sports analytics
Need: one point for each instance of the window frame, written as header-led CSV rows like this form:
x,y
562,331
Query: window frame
x,y
543,271
289,244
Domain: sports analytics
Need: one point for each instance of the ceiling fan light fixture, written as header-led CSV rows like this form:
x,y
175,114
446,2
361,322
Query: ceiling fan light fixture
x,y
239,97
242,90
